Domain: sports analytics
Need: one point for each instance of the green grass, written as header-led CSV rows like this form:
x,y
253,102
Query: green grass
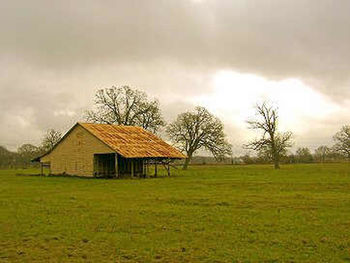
x,y
206,214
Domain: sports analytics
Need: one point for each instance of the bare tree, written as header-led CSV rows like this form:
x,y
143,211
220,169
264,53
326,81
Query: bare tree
x,y
26,152
321,153
126,106
27,149
196,130
303,155
51,138
7,158
342,141
271,140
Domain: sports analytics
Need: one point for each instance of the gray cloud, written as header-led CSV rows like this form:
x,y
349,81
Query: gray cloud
x,y
54,55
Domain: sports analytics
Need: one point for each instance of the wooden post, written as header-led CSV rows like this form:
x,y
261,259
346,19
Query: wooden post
x,y
155,169
132,168
116,166
168,166
41,169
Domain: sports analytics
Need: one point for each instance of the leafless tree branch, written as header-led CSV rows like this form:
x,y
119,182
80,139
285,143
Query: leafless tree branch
x,y
126,106
273,143
192,131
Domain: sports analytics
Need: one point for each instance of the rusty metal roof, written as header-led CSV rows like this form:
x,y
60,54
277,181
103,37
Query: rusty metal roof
x,y
132,142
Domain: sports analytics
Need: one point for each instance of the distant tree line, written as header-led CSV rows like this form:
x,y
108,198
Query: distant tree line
x,y
322,154
22,158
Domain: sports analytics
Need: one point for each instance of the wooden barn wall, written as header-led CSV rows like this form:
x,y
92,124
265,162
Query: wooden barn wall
x,y
75,154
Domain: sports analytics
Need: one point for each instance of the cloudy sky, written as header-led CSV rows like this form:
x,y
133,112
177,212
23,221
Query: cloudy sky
x,y
224,54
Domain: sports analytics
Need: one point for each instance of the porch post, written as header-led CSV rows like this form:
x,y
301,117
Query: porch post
x,y
168,166
132,167
155,169
116,166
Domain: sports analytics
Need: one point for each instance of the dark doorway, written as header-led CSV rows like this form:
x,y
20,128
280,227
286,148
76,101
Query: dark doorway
x,y
130,166
104,165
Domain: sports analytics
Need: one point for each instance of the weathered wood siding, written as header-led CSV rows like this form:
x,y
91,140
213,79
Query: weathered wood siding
x,y
75,154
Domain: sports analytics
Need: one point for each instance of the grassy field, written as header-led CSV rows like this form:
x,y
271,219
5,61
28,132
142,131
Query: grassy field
x,y
206,214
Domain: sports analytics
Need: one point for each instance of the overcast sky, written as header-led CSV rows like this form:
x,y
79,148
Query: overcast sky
x,y
224,55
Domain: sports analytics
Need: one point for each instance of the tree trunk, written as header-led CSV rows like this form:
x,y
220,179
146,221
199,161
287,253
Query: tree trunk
x,y
276,162
277,165
187,161
275,154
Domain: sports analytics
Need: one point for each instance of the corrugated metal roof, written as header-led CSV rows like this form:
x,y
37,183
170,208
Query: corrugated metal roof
x,y
132,142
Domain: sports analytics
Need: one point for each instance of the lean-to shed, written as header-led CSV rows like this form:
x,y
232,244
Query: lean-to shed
x,y
90,149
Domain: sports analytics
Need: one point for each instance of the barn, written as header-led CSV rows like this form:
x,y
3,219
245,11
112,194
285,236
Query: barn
x,y
104,150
